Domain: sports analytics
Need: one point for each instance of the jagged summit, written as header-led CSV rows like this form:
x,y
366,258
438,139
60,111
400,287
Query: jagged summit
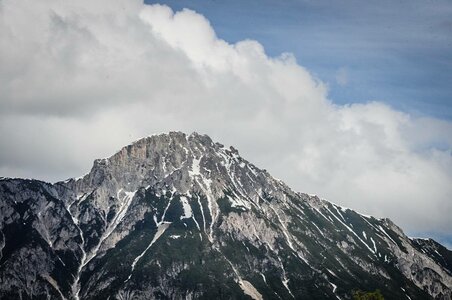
x,y
175,216
183,163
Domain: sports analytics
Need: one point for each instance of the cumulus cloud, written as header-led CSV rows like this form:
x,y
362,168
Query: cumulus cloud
x,y
81,79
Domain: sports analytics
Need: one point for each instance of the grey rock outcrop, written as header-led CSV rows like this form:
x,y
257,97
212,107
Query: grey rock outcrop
x,y
174,216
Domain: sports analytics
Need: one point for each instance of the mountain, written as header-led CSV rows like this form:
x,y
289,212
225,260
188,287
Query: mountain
x,y
173,216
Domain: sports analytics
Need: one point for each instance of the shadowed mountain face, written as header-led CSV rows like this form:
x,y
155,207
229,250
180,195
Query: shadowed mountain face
x,y
181,217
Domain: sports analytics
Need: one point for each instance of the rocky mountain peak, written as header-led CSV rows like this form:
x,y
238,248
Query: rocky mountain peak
x,y
176,216
180,163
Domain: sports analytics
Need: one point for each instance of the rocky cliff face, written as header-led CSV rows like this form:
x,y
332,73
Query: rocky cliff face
x,y
175,216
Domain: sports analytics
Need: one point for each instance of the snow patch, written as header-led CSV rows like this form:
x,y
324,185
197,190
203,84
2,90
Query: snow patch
x,y
187,208
263,277
334,287
202,214
246,286
238,203
318,210
195,167
124,206
160,230
351,230
332,273
373,242
54,284
250,290
381,228
405,293
285,280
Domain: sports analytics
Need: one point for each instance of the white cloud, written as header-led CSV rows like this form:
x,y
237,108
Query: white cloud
x,y
80,80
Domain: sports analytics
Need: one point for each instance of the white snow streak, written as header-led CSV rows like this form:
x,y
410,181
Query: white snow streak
x,y
381,228
195,168
250,290
246,286
86,258
339,213
405,293
373,242
354,233
187,208
202,214
285,280
205,185
160,230
54,284
126,201
75,286
334,287
263,277
238,203
318,210
332,273
321,232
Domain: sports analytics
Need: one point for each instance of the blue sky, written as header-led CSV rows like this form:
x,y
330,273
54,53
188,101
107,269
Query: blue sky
x,y
397,52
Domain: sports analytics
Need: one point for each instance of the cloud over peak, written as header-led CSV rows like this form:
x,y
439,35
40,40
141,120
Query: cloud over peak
x,y
80,80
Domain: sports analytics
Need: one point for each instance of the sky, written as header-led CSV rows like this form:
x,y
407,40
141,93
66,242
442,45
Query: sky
x,y
345,101
397,52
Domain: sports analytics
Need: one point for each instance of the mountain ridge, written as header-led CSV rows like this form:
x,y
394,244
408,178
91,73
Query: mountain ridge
x,y
253,235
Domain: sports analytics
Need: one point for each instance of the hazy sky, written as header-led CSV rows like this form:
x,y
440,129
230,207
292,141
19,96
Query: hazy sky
x,y
359,113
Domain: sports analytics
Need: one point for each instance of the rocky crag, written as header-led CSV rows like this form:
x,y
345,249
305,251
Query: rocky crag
x,y
173,216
